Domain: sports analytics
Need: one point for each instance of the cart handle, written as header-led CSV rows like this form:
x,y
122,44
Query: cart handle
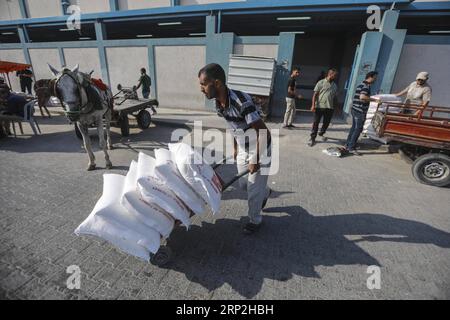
x,y
236,177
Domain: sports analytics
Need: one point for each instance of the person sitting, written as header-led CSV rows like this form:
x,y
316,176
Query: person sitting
x,y
14,103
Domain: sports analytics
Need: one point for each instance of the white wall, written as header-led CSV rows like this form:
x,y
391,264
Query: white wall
x,y
194,2
39,60
142,4
44,8
90,6
258,50
13,55
10,10
434,59
124,66
176,73
87,58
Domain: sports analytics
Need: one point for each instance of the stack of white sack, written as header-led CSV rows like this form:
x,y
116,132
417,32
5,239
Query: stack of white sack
x,y
383,99
135,211
110,221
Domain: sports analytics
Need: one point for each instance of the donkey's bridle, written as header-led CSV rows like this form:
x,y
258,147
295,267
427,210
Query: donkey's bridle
x,y
85,107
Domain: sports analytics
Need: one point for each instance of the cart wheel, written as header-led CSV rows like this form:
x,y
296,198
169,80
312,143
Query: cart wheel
x,y
162,257
432,169
124,125
144,119
78,132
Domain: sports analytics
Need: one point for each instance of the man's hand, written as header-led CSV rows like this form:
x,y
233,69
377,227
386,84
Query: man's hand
x,y
313,108
253,167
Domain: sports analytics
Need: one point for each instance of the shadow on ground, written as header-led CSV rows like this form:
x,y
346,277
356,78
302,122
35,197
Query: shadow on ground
x,y
292,243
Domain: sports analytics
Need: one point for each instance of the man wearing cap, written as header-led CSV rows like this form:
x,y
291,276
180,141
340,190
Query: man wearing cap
x,y
418,92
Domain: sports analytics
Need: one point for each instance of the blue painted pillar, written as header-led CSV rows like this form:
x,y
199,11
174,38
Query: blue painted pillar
x,y
378,51
24,40
23,9
101,35
174,3
152,70
366,60
62,58
219,46
286,45
390,52
64,5
114,5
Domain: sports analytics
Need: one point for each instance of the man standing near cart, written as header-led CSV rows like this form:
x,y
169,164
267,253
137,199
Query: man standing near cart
x,y
145,81
361,101
26,80
241,115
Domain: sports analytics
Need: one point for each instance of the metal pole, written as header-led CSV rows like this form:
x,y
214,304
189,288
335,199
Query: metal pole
x,y
9,81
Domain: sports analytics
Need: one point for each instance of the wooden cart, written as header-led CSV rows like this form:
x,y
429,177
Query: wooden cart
x,y
424,135
126,102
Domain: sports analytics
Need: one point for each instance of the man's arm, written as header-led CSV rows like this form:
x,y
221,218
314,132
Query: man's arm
x,y
402,93
140,83
314,98
257,126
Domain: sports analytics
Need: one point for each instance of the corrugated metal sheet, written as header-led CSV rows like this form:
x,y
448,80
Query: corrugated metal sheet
x,y
253,75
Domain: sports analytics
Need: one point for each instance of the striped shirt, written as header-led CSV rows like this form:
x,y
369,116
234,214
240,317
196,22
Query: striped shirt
x,y
240,113
358,104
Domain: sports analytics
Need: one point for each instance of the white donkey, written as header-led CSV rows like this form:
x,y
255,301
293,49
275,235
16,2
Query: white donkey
x,y
86,105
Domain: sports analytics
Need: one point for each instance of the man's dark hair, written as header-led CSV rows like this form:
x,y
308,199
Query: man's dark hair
x,y
213,71
143,70
332,70
295,68
371,74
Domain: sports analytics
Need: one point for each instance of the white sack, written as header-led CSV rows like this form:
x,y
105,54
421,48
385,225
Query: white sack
x,y
113,223
145,211
167,171
198,174
154,190
368,128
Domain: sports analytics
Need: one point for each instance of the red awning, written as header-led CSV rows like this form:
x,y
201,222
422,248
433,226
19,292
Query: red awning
x,y
6,66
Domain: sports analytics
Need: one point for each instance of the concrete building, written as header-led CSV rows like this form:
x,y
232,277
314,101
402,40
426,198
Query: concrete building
x,y
174,38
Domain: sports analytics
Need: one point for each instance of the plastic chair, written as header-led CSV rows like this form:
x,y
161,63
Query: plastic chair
x,y
28,111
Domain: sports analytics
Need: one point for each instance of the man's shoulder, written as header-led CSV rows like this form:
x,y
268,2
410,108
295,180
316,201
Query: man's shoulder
x,y
240,95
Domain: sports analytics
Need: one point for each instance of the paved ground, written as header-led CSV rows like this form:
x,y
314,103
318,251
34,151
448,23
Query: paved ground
x,y
328,220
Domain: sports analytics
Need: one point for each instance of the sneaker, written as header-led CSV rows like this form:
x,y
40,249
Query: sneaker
x,y
250,228
311,142
354,152
285,126
265,200
291,126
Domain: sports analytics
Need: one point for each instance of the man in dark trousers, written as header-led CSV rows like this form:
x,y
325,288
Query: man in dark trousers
x,y
241,115
361,101
323,102
26,79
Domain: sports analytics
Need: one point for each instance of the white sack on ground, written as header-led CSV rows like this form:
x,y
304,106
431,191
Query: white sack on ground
x,y
167,171
200,175
145,211
113,223
154,190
